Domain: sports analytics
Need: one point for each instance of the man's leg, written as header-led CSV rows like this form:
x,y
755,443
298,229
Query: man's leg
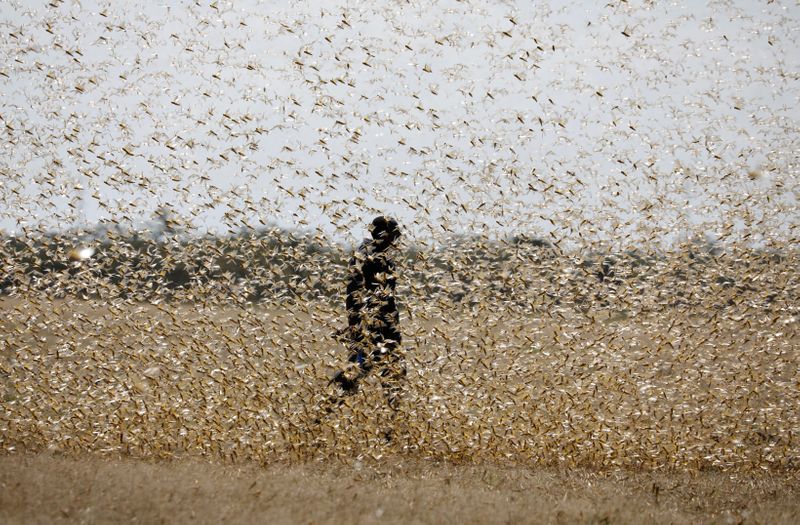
x,y
393,375
359,356
393,370
347,380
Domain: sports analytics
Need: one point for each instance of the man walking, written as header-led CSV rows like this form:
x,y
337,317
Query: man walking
x,y
372,330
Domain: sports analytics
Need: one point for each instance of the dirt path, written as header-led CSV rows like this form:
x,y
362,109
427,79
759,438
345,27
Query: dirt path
x,y
51,489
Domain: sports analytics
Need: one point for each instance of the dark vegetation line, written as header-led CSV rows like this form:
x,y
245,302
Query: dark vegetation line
x,y
277,264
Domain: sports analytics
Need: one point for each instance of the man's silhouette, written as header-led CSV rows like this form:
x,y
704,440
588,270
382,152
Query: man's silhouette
x,y
372,317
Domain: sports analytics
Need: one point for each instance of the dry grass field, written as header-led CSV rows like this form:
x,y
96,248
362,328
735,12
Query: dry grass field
x,y
575,403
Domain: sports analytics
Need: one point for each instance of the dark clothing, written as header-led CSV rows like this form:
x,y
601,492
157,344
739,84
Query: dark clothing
x,y
372,315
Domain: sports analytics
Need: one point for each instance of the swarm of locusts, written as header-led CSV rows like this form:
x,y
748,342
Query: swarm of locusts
x,y
594,271
513,352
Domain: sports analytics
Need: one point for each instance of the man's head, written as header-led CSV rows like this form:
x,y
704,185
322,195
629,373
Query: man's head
x,y
384,230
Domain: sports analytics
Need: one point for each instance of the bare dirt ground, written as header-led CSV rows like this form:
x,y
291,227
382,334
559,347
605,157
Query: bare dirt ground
x,y
52,489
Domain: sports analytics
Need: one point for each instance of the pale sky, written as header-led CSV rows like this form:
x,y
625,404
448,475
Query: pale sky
x,y
603,121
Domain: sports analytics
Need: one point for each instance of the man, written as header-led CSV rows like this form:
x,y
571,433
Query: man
x,y
372,317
